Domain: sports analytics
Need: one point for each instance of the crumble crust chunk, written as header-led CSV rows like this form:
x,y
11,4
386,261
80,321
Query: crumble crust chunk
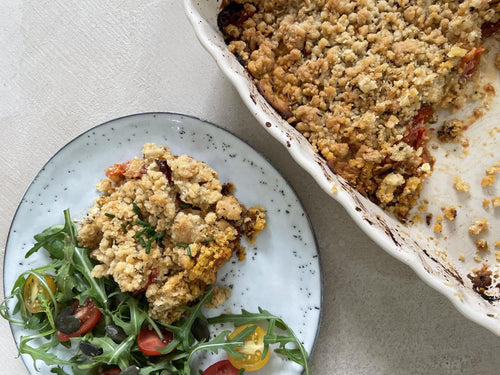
x,y
478,227
164,226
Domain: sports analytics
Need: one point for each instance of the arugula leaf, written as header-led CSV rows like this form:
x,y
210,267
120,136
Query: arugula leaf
x,y
72,268
298,354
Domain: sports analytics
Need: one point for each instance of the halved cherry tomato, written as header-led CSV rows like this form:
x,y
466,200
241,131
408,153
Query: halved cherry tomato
x,y
117,170
221,368
89,315
149,342
252,349
111,371
152,277
33,288
423,115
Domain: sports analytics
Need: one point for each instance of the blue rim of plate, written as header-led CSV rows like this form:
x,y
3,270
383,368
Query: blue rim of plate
x,y
318,253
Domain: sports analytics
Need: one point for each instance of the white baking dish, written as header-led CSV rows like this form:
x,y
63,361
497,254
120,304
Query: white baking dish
x,y
434,257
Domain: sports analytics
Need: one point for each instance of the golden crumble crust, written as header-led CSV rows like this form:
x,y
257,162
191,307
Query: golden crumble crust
x,y
163,226
360,79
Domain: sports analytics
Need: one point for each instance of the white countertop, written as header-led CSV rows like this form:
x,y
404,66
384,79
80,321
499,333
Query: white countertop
x,y
69,65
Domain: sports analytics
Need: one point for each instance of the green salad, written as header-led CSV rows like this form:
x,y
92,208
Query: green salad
x,y
105,331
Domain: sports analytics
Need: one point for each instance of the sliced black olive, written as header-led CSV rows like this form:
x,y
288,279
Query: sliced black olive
x,y
116,333
66,322
200,330
131,370
90,349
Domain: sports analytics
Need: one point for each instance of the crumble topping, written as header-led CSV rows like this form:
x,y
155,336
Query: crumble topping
x,y
163,226
361,79
450,130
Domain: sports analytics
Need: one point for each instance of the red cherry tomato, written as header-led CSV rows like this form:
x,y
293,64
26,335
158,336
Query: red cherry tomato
x,y
89,315
488,29
152,277
149,342
221,368
111,371
470,62
117,170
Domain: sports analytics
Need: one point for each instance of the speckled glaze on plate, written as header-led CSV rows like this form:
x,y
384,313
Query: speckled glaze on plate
x,y
281,273
443,260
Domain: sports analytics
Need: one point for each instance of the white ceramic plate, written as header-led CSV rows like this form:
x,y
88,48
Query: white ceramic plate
x,y
281,273
434,257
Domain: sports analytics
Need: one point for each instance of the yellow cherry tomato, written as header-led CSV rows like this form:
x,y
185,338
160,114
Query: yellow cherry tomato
x,y
252,349
33,288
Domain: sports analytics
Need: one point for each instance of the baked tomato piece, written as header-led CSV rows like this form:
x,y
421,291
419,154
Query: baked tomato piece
x,y
488,29
221,368
470,62
89,315
149,341
117,170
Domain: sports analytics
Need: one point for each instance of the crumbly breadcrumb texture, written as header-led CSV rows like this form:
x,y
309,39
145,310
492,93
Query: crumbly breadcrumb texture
x,y
360,79
449,213
478,227
163,226
496,202
488,181
482,245
461,185
438,227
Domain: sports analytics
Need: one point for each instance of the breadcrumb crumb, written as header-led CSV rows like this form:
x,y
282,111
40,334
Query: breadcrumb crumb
x,y
482,245
461,185
478,227
450,213
438,227
495,201
488,181
486,203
